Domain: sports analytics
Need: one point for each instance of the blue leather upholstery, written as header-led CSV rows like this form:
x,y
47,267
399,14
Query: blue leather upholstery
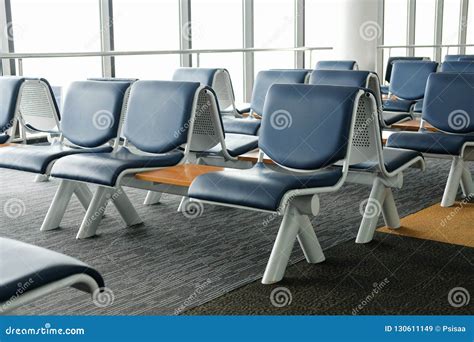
x,y
459,66
9,90
335,65
241,126
449,102
204,76
37,158
352,78
113,79
104,168
259,187
385,89
21,263
266,78
466,58
158,114
391,60
397,105
452,58
408,80
54,97
237,144
4,138
300,119
391,118
418,107
393,159
428,142
91,112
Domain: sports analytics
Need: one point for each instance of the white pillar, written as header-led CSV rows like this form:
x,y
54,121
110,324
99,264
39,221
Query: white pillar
x,y
361,32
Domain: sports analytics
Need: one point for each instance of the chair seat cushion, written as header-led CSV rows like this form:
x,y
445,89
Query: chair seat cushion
x,y
241,126
4,138
236,144
430,142
392,118
34,267
398,105
418,106
394,159
384,89
258,187
37,158
105,168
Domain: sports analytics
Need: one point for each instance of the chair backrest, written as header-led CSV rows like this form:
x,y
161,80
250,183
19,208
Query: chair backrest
x,y
308,127
459,66
391,60
265,79
336,65
467,58
92,111
38,107
159,114
453,58
409,78
449,102
113,79
9,98
217,79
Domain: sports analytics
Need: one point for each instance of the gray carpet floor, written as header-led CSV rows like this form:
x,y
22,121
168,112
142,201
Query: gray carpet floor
x,y
172,263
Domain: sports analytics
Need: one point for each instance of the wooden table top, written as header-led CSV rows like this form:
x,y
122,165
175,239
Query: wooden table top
x,y
411,125
180,175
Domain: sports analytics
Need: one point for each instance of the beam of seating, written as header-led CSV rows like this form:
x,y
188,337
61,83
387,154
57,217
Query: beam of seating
x,y
449,108
40,272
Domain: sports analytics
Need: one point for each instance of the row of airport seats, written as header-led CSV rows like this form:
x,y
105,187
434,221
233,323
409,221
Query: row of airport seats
x,y
408,77
334,137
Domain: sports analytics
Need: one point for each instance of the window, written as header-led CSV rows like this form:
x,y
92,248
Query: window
x,y
395,27
323,25
58,26
146,25
274,31
217,24
470,28
451,15
425,27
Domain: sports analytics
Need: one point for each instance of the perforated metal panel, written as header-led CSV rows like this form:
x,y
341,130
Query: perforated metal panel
x,y
36,106
364,140
207,127
223,87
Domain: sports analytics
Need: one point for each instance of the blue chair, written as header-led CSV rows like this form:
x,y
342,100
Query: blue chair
x,y
408,82
449,107
263,81
309,130
10,88
388,70
454,58
458,66
336,65
357,78
466,58
90,120
29,272
165,122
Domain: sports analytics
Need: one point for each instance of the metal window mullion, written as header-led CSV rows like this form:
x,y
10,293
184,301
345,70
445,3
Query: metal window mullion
x,y
185,32
380,40
299,33
463,25
107,37
438,35
411,26
7,37
248,42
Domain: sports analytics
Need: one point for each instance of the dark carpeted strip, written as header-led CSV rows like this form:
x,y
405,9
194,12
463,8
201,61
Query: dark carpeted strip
x,y
392,275
172,262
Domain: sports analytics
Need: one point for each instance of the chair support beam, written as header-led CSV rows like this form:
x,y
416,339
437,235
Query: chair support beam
x,y
452,185
152,197
58,206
